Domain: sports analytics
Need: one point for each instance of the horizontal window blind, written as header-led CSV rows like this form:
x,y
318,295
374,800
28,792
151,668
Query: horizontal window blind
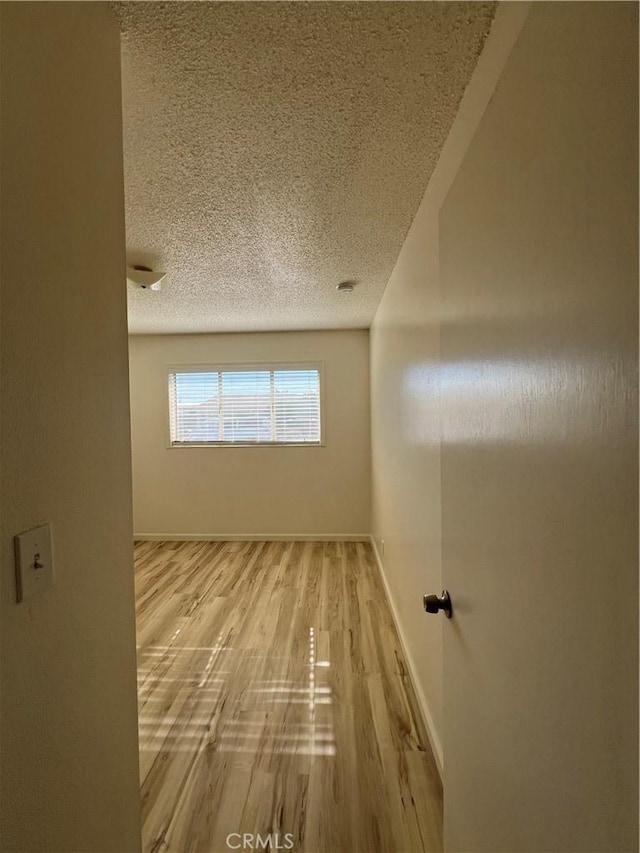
x,y
245,406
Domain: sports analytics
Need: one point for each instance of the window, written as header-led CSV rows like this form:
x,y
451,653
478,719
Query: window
x,y
244,405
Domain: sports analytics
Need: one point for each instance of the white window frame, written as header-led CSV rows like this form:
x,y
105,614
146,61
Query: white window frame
x,y
243,366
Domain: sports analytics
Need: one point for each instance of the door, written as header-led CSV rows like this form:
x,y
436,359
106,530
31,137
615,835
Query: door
x,y
539,354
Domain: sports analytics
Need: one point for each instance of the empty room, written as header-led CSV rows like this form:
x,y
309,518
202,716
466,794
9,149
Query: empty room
x,y
319,427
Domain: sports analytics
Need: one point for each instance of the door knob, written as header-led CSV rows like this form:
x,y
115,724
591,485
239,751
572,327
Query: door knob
x,y
433,603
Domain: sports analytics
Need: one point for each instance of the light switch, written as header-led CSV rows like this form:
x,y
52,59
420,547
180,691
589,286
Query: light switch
x,y
34,561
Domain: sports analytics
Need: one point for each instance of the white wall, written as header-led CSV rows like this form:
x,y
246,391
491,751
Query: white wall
x,y
69,768
253,491
539,461
405,398
504,437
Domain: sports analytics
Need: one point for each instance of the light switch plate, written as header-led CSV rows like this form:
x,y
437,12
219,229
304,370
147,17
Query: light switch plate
x,y
34,561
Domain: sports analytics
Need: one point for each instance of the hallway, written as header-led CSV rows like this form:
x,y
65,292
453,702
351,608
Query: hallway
x,y
326,307
274,700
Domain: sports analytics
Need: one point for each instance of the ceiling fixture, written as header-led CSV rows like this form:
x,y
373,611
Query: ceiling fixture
x,y
144,277
345,287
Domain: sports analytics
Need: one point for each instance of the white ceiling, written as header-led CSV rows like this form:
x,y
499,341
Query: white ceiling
x,y
275,149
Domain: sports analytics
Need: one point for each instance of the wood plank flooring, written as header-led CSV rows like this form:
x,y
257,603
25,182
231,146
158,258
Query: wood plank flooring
x,y
274,700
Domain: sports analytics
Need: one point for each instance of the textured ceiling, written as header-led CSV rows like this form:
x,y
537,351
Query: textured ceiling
x,y
275,149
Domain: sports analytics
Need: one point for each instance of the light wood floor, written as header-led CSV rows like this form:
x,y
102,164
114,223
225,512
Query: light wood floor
x,y
274,698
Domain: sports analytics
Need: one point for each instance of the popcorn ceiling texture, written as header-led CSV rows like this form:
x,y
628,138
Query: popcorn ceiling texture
x,y
275,149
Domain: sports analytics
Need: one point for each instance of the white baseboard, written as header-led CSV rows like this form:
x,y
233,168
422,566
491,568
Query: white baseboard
x,y
251,537
423,705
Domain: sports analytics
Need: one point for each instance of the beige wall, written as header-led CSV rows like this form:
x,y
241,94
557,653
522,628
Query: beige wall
x,y
504,438
405,438
68,683
271,491
539,463
405,399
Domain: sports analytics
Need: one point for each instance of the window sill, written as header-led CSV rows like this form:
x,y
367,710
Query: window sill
x,y
246,444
